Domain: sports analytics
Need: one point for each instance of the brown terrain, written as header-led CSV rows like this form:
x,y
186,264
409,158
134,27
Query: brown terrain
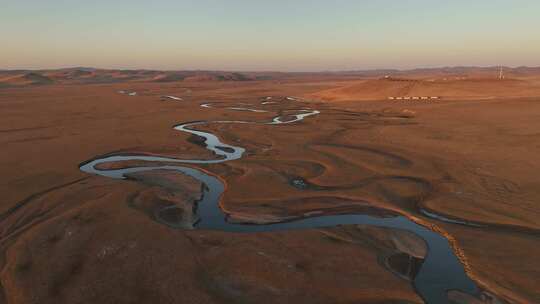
x,y
470,156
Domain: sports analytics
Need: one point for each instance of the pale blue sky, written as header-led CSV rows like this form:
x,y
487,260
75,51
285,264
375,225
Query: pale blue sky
x,y
301,35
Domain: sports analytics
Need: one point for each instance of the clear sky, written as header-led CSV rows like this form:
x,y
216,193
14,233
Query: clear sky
x,y
286,35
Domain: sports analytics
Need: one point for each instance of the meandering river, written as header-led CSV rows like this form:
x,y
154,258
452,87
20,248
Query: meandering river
x,y
440,272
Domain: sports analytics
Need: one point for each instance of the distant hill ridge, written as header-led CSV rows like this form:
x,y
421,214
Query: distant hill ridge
x,y
89,75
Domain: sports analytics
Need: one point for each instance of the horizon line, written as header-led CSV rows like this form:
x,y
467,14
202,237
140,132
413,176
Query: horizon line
x,y
276,71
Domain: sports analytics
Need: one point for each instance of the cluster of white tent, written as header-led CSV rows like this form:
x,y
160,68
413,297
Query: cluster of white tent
x,y
413,97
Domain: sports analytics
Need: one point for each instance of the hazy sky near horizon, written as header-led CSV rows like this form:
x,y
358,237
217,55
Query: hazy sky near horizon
x,y
286,35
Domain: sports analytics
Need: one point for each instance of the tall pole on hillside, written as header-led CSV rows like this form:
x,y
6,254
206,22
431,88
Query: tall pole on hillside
x,y
501,75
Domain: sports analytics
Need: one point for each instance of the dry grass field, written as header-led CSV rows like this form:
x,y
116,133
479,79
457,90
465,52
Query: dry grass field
x,y
465,165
